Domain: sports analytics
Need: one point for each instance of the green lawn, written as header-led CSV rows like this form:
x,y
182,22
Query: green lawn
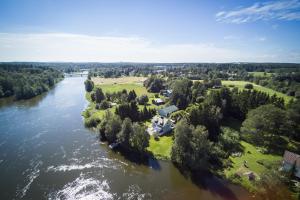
x,y
260,74
138,88
241,86
161,149
251,155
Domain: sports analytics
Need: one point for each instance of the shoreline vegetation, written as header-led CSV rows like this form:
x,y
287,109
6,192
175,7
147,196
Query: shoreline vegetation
x,y
25,82
215,127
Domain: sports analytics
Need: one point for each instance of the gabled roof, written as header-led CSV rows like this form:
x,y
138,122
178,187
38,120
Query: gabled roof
x,y
291,157
169,109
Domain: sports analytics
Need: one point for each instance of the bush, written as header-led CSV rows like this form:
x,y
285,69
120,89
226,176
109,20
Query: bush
x,y
91,122
249,86
104,105
143,100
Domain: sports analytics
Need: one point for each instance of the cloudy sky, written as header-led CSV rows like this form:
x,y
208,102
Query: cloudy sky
x,y
150,30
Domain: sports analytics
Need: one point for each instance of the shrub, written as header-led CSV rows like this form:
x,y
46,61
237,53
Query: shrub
x,y
249,86
91,122
104,105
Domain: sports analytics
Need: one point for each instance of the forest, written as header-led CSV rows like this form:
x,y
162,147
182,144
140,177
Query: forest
x,y
25,82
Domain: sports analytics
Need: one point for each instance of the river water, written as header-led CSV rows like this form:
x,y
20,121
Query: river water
x,y
47,153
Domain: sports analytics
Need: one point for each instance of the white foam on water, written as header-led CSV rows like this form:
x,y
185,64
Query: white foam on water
x,y
101,163
33,174
63,151
71,167
134,192
84,188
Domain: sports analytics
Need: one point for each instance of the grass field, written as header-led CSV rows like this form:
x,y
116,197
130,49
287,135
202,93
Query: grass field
x,y
261,74
115,85
251,155
121,80
138,88
241,86
161,149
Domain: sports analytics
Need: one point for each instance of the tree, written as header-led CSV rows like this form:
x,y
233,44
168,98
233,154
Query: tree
x,y
143,100
208,116
89,85
265,124
112,128
294,116
229,139
139,139
154,84
201,149
248,86
182,94
191,148
124,135
181,146
104,105
131,96
99,96
129,110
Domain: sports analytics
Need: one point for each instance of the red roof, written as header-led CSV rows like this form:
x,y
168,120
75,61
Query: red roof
x,y
291,158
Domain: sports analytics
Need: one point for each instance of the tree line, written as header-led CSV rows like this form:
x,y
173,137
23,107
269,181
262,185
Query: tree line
x,y
24,82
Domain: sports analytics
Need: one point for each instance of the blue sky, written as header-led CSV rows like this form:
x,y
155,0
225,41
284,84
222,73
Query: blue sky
x,y
150,30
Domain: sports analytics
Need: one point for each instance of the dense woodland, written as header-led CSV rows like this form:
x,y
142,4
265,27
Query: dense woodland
x,y
24,82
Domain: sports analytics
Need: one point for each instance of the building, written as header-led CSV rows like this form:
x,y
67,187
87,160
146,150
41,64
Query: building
x,y
162,125
166,93
165,112
291,161
158,101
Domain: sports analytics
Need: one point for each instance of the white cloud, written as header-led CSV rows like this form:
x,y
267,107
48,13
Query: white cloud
x,y
261,39
281,10
84,48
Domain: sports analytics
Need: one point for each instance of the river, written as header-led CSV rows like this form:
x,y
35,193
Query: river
x,y
47,153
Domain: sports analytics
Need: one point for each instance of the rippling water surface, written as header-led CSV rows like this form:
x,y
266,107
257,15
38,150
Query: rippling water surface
x,y
46,153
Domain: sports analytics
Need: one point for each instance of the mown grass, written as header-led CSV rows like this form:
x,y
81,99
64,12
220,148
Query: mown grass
x,y
252,156
138,88
92,113
161,148
261,74
241,86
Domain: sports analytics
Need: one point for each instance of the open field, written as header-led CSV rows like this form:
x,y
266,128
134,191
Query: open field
x,y
252,156
138,88
121,80
115,85
161,149
241,86
260,74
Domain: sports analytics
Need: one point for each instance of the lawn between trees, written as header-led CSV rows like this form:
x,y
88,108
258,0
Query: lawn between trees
x,y
161,149
241,86
251,159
